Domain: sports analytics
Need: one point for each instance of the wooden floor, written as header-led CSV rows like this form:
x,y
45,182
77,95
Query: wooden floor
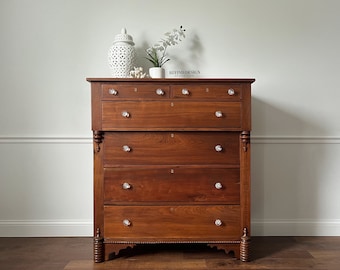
x,y
76,254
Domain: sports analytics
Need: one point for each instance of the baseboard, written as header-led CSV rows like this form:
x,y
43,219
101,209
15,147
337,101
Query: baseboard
x,y
84,228
287,227
46,228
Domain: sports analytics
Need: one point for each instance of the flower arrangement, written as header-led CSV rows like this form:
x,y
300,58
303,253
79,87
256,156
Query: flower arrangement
x,y
157,53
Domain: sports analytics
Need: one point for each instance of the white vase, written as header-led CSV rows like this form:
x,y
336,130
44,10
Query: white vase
x,y
157,72
122,55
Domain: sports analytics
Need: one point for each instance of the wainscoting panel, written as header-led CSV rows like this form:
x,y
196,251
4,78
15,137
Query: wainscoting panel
x,y
295,185
46,186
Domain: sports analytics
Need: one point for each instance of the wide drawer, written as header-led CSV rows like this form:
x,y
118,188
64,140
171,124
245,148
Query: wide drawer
x,y
135,91
207,91
181,115
180,184
165,148
160,223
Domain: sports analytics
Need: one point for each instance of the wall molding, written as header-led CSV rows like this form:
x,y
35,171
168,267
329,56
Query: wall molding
x,y
46,228
46,140
296,227
84,228
295,139
254,140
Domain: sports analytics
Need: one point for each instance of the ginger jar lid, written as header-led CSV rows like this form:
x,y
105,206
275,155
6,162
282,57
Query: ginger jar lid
x,y
123,37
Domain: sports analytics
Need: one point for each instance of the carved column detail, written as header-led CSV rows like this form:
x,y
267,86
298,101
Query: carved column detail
x,y
97,138
245,140
98,247
245,246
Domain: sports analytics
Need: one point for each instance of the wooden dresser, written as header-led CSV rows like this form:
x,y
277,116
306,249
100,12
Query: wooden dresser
x,y
171,163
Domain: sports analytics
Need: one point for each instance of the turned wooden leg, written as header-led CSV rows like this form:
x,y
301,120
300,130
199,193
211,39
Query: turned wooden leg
x,y
245,246
98,247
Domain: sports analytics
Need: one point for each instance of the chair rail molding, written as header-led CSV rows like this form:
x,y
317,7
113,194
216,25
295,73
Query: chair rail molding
x,y
295,139
255,139
45,140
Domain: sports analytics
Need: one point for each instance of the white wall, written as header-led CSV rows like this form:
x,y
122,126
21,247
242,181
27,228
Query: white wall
x,y
49,47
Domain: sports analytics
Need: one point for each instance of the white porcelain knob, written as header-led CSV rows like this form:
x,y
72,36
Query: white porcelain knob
x,y
218,185
185,92
127,222
113,92
126,186
126,114
218,148
231,92
218,114
126,148
160,92
218,222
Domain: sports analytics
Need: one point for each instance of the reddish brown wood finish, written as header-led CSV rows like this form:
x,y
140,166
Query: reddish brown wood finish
x,y
208,91
150,184
170,115
164,223
171,163
163,148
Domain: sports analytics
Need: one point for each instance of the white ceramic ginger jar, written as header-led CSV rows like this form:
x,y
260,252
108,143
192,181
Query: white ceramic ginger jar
x,y
122,55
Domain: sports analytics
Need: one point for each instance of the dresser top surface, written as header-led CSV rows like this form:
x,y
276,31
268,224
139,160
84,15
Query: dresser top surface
x,y
174,80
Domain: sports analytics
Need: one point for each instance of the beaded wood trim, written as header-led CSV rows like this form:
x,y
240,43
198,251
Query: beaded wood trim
x,y
171,242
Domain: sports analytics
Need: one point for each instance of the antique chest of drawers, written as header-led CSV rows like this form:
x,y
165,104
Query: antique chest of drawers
x,y
171,163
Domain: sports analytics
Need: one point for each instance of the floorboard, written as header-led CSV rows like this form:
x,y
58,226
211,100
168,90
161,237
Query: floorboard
x,y
283,253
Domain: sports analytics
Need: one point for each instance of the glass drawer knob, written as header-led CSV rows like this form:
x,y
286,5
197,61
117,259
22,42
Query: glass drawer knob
x,y
218,148
113,92
231,92
218,185
160,92
218,222
126,186
126,148
218,114
185,92
126,114
127,222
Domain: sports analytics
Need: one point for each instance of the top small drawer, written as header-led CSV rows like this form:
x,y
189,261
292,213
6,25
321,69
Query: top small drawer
x,y
207,91
135,91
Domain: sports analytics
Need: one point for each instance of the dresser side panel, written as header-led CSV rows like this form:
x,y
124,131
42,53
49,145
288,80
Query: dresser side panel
x,y
96,106
246,107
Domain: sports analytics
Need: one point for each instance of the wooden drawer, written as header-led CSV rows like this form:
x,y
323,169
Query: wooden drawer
x,y
168,148
184,222
207,91
180,115
135,91
181,184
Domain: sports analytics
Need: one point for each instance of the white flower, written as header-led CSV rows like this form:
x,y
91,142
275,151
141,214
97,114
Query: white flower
x,y
156,53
